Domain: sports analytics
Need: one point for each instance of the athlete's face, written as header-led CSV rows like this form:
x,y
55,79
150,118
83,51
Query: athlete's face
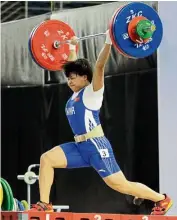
x,y
76,82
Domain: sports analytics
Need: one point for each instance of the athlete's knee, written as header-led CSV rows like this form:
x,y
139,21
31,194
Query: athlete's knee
x,y
118,183
54,158
123,187
44,159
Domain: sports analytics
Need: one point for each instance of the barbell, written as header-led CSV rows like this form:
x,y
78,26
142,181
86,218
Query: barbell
x,y
135,29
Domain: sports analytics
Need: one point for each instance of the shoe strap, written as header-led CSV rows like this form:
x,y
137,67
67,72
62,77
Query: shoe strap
x,y
41,206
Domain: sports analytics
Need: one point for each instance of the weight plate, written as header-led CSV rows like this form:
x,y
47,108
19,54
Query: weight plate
x,y
15,207
145,29
6,204
11,200
42,40
114,41
25,204
132,28
29,46
112,33
20,206
1,195
120,30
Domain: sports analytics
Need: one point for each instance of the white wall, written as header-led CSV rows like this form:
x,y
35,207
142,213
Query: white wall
x,y
167,101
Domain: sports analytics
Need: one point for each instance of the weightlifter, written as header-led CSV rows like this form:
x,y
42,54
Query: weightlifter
x,y
91,148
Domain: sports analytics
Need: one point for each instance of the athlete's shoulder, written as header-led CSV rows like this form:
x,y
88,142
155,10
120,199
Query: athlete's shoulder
x,y
93,99
89,90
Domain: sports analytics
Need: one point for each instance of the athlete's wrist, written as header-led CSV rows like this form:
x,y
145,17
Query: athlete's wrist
x,y
108,38
72,47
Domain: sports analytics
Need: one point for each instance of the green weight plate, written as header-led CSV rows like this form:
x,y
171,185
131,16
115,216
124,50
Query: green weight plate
x,y
15,207
11,199
145,29
6,197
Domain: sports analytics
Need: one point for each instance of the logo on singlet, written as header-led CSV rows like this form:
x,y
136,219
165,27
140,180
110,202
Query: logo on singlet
x,y
70,111
77,99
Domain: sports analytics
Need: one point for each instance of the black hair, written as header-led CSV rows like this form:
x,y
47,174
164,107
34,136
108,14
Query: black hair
x,y
80,66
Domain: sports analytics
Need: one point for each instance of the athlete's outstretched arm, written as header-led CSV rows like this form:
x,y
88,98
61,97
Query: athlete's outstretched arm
x,y
72,55
98,75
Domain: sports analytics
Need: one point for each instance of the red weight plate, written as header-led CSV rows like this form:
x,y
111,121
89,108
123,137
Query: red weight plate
x,y
29,46
132,28
112,35
115,44
42,41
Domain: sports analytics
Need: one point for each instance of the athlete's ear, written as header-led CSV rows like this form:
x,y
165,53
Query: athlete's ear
x,y
85,77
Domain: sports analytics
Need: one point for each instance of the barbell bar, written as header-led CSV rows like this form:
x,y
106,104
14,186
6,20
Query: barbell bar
x,y
136,32
58,43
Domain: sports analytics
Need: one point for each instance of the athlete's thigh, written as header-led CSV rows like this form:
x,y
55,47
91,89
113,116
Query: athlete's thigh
x,y
103,160
73,156
56,157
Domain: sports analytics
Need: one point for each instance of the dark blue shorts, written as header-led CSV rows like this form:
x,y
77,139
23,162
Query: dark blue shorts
x,y
95,152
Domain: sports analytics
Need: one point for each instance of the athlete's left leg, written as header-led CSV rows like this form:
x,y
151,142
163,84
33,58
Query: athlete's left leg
x,y
118,182
109,170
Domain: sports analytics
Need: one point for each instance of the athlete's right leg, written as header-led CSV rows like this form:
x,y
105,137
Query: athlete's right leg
x,y
63,156
54,158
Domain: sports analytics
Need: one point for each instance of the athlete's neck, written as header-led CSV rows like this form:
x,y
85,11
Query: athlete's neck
x,y
82,87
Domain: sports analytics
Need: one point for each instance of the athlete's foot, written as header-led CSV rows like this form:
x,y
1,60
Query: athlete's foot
x,y
41,206
161,207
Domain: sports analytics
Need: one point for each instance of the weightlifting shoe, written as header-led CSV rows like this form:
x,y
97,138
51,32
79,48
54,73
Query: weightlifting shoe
x,y
161,207
41,206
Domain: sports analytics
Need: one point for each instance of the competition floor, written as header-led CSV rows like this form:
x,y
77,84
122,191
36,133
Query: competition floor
x,y
78,216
